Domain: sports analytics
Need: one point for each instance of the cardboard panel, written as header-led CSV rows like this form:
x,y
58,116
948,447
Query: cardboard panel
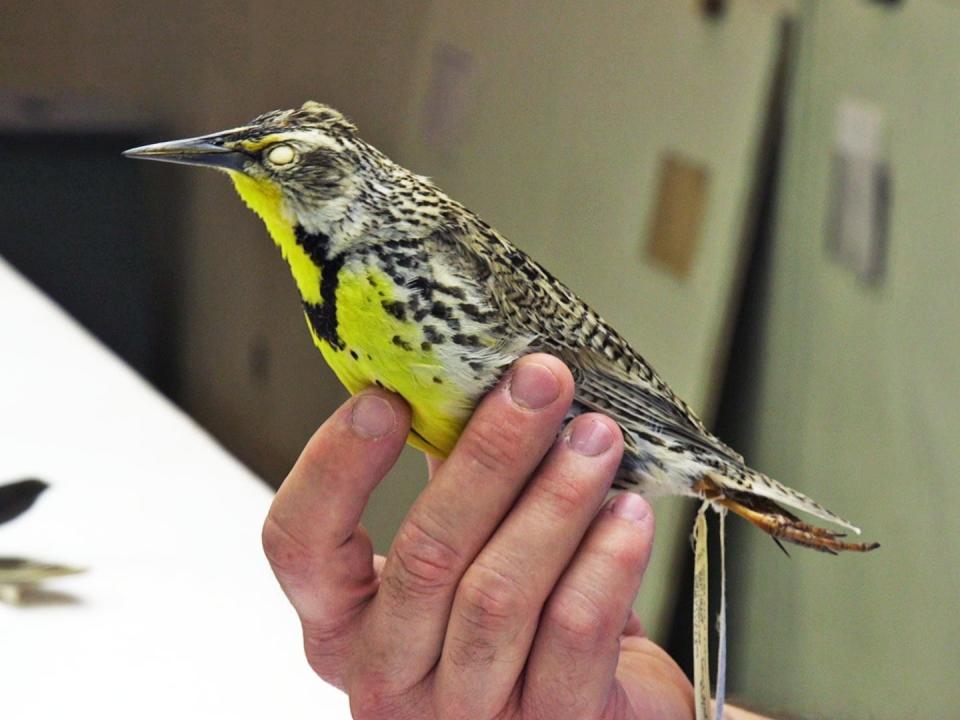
x,y
678,214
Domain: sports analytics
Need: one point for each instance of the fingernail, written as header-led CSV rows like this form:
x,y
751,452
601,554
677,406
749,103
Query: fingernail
x,y
534,386
372,416
629,506
589,437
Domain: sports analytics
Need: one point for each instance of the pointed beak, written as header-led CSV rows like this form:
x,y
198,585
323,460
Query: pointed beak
x,y
208,150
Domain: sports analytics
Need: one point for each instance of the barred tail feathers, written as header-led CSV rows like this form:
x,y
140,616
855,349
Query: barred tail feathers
x,y
756,483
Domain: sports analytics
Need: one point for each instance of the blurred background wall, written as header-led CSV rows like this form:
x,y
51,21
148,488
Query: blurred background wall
x,y
852,386
634,148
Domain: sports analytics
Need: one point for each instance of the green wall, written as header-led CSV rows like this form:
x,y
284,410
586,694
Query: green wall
x,y
857,395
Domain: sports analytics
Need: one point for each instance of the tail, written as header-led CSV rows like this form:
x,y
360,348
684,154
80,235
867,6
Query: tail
x,y
767,487
755,497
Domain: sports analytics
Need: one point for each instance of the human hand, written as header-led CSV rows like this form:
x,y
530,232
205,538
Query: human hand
x,y
504,594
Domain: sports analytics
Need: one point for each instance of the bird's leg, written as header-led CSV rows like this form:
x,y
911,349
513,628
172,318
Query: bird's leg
x,y
796,531
779,523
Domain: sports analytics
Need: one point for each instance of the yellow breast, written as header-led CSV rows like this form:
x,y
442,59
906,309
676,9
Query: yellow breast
x,y
378,348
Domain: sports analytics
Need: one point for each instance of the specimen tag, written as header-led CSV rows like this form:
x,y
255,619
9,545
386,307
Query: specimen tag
x,y
722,620
701,617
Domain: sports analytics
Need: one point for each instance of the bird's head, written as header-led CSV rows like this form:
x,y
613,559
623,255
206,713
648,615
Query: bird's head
x,y
302,164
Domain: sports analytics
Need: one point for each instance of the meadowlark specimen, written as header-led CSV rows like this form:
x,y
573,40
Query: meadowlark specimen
x,y
406,289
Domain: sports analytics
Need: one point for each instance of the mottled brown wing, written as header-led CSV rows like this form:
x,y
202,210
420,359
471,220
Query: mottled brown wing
x,y
633,403
611,376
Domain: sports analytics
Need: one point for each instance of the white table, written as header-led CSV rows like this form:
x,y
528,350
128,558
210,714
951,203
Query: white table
x,y
178,615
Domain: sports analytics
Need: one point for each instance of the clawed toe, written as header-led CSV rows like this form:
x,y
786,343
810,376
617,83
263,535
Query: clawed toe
x,y
784,526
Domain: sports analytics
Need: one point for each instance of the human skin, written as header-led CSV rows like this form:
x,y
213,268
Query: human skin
x,y
505,594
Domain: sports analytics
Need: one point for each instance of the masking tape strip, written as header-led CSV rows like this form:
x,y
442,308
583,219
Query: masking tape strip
x,y
701,619
722,620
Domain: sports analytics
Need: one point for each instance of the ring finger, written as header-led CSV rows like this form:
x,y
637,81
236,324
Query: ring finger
x,y
571,669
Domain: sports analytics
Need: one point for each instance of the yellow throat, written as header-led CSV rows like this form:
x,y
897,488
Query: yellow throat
x,y
378,348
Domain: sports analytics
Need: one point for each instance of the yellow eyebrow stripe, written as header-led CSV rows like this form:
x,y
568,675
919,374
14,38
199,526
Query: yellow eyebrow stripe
x,y
260,143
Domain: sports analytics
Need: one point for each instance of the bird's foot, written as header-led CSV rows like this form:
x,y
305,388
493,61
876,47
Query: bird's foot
x,y
778,522
792,529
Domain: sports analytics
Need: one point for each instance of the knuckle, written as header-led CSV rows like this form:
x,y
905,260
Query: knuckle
x,y
424,564
627,559
491,602
289,556
565,495
578,621
488,446
471,651
622,556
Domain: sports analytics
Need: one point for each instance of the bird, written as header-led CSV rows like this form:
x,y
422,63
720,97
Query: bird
x,y
18,497
19,575
406,289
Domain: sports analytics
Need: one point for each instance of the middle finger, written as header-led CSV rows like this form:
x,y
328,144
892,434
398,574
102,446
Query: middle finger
x,y
499,600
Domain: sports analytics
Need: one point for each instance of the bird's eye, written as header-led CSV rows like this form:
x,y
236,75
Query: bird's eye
x,y
281,155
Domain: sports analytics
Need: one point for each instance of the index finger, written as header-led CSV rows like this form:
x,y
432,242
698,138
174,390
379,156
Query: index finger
x,y
317,509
